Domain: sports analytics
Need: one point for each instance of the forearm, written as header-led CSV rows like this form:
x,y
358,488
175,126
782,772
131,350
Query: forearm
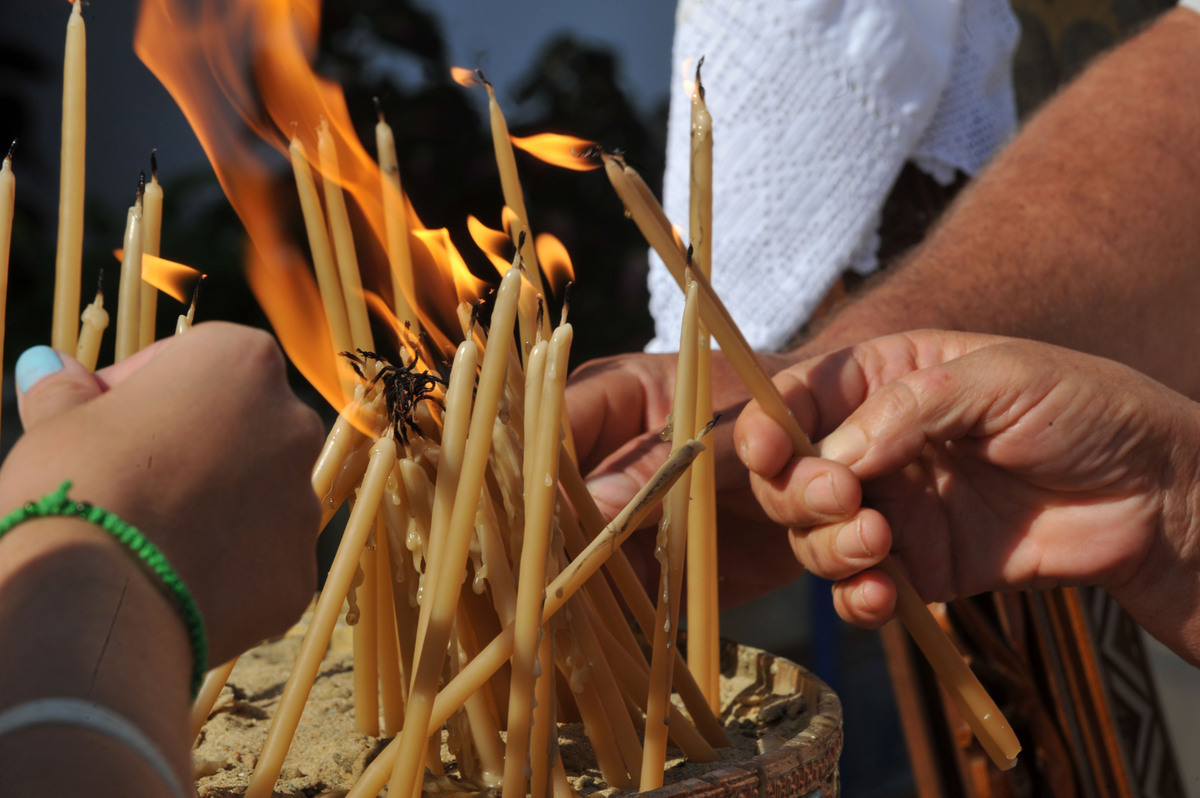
x,y
80,619
1083,232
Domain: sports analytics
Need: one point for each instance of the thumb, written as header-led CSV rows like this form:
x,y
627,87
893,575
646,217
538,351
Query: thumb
x,y
50,383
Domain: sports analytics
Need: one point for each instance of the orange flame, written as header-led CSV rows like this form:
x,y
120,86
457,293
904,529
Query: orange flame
x,y
464,76
555,149
468,287
173,279
494,243
246,63
555,261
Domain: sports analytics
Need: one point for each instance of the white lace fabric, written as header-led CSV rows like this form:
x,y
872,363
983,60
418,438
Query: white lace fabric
x,y
816,106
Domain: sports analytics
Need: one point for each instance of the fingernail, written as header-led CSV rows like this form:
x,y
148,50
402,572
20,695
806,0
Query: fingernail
x,y
846,444
820,498
849,542
612,490
35,363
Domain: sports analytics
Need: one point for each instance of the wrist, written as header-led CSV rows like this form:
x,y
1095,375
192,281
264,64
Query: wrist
x,y
80,619
1163,593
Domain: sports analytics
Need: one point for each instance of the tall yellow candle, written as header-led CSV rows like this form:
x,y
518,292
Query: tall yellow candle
x,y
210,690
395,223
365,640
69,252
703,641
8,198
510,184
328,282
343,241
456,420
152,204
129,295
541,488
391,689
94,321
451,564
320,629
671,550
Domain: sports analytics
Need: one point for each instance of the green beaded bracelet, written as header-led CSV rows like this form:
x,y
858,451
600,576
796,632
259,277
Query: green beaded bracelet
x,y
57,504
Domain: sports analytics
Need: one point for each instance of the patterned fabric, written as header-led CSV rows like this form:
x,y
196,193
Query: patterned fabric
x,y
816,108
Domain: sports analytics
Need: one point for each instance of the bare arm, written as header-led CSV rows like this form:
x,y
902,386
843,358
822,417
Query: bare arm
x,y
1083,232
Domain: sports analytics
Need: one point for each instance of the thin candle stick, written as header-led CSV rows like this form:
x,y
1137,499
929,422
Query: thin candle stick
x,y
322,254
365,641
451,562
8,198
510,184
541,488
210,690
984,717
703,640
184,322
395,222
94,321
129,297
343,240
456,421
69,253
152,206
566,584
391,697
671,550
329,604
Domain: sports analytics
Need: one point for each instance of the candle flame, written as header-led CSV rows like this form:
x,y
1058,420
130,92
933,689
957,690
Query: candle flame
x,y
569,152
463,76
468,287
555,262
246,64
173,279
494,243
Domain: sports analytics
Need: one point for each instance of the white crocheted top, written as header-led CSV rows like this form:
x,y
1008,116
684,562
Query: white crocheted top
x,y
816,105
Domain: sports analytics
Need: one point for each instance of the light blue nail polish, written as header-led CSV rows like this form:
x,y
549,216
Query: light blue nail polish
x,y
35,363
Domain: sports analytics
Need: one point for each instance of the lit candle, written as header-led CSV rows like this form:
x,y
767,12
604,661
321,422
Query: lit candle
x,y
343,241
703,641
325,615
395,221
129,295
540,491
69,253
510,184
94,322
671,549
476,672
184,322
152,201
981,711
322,254
8,196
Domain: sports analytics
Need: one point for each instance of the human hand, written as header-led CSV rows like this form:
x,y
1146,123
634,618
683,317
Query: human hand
x,y
989,463
618,406
199,443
